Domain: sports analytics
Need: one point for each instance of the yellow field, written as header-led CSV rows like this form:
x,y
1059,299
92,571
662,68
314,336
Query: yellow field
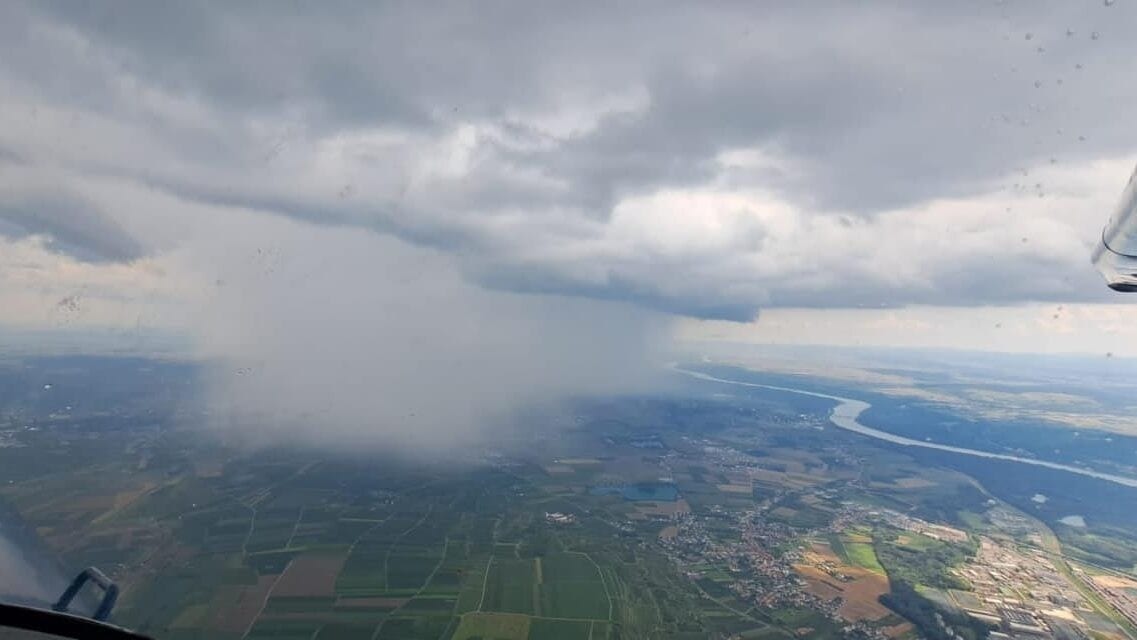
x,y
1115,582
913,482
790,479
500,626
665,509
858,596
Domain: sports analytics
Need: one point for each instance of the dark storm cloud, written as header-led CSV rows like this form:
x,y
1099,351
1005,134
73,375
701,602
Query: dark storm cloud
x,y
71,226
511,134
616,287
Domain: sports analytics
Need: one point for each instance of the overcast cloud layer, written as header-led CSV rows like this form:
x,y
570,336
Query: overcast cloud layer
x,y
390,184
706,161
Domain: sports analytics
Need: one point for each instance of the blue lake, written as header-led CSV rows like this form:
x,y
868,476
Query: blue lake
x,y
641,491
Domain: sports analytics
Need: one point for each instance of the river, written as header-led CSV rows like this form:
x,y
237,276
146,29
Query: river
x,y
845,415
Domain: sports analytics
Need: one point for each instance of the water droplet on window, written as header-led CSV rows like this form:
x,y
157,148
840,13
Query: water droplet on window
x,y
1069,32
1078,66
1081,138
1037,84
1109,3
1053,160
1059,80
47,387
1029,35
1109,354
1094,36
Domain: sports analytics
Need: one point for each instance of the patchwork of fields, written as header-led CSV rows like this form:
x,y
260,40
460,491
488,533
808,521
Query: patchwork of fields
x,y
309,559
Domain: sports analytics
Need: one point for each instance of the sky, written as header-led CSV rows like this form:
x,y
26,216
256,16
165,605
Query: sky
x,y
532,193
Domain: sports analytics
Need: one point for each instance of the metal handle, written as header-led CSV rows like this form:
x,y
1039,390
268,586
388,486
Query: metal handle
x,y
110,592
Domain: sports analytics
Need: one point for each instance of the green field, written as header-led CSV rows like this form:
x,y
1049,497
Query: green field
x,y
430,605
862,555
916,541
509,588
409,571
574,599
428,628
838,546
559,567
337,631
364,573
543,629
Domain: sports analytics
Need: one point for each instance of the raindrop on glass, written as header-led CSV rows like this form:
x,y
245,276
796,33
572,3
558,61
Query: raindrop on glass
x,y
1037,84
1069,32
1109,3
1094,36
1029,35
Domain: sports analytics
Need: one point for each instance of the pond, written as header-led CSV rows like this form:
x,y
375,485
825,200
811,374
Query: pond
x,y
640,491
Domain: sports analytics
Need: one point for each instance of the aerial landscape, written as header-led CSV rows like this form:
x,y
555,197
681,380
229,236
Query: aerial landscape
x,y
729,506
524,320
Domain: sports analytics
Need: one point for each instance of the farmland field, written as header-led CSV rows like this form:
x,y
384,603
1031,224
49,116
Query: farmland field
x,y
862,555
310,574
574,599
541,628
509,587
493,625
